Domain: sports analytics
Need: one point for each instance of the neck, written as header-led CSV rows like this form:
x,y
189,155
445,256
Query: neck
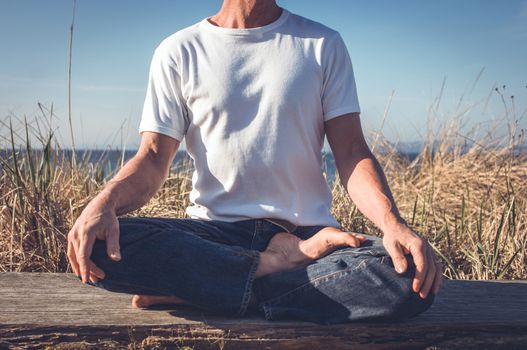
x,y
246,13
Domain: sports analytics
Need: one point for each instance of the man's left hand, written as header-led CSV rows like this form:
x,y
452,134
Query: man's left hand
x,y
429,271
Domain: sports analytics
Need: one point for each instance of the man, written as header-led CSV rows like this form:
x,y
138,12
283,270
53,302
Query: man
x,y
254,90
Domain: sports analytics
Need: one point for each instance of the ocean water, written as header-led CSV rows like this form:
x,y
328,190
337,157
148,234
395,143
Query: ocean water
x,y
109,161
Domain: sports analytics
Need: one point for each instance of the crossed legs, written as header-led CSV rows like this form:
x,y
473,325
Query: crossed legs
x,y
285,252
290,278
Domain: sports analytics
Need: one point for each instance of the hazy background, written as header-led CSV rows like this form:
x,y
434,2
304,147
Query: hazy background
x,y
410,47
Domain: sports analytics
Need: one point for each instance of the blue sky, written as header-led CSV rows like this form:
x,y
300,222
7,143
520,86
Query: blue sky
x,y
408,47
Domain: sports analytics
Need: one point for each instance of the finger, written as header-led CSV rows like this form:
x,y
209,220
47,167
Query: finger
x,y
72,258
93,278
396,253
83,258
418,251
438,281
112,242
344,239
96,271
359,237
430,275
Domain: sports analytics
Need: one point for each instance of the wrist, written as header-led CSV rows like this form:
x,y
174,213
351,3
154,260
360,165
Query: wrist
x,y
393,224
107,200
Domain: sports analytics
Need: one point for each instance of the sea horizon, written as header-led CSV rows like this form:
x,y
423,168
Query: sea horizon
x,y
109,160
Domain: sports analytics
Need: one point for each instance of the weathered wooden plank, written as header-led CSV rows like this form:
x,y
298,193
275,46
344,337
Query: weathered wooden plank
x,y
466,301
358,336
44,309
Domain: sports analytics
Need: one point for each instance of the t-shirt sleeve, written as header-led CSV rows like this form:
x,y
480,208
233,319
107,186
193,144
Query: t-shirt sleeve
x,y
164,110
339,93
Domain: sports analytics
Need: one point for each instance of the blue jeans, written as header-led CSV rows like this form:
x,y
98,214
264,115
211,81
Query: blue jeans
x,y
212,264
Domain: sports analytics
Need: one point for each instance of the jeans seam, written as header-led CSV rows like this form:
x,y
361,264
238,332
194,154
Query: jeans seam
x,y
268,314
366,253
260,305
246,298
311,283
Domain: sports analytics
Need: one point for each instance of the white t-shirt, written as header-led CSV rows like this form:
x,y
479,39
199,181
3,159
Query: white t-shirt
x,y
251,105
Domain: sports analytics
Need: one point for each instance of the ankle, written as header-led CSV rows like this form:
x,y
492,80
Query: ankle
x,y
272,261
269,263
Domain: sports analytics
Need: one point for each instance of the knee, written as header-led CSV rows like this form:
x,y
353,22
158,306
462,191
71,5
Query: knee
x,y
413,305
404,302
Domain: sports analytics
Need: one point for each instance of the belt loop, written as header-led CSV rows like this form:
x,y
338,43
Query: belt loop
x,y
258,224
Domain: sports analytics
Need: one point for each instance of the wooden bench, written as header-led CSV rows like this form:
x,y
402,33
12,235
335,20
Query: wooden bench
x,y
47,309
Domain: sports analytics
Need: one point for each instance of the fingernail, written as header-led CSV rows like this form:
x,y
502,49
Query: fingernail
x,y
399,269
116,256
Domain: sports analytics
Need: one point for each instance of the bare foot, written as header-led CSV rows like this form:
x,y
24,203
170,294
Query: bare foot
x,y
143,301
286,251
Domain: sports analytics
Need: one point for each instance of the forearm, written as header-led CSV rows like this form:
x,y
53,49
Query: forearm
x,y
368,188
362,175
133,186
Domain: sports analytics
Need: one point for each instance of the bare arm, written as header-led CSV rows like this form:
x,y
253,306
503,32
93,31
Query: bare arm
x,y
138,180
362,175
143,175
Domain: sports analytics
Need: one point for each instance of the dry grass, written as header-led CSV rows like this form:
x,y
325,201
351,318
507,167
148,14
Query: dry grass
x,y
471,205
469,201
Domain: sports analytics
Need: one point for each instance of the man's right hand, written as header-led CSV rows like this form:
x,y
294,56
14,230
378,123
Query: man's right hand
x,y
97,221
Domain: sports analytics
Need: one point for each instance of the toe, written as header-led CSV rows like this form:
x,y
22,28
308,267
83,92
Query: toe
x,y
137,301
143,301
343,239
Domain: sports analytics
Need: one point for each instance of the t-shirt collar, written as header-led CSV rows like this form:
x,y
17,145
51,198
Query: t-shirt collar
x,y
246,31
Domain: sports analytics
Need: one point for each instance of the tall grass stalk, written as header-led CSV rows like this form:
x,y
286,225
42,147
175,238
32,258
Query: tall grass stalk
x,y
70,53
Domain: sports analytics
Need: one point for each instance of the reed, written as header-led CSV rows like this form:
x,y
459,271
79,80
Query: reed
x,y
466,193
